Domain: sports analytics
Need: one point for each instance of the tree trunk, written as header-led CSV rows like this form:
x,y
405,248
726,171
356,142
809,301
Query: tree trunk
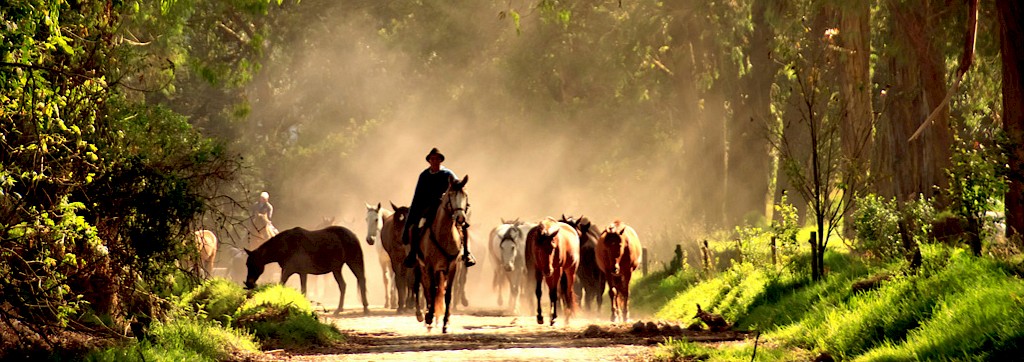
x,y
855,42
917,86
1011,34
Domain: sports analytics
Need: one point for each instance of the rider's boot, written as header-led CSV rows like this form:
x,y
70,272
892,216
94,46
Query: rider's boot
x,y
468,259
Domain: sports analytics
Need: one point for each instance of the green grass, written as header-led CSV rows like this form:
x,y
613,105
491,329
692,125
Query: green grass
x,y
957,307
282,317
181,340
683,350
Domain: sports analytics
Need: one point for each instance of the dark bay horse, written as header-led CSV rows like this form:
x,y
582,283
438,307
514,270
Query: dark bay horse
x,y
391,238
300,251
618,255
555,247
441,246
590,283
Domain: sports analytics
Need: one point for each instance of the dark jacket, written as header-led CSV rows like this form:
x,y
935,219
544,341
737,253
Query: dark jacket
x,y
427,197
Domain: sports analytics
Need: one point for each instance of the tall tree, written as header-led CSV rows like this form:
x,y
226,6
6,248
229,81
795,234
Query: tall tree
x,y
1011,32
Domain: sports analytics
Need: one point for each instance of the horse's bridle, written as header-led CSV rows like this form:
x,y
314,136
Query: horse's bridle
x,y
508,236
450,206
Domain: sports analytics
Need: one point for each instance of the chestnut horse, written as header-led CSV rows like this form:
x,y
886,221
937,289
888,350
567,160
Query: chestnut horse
x,y
300,251
556,253
201,258
590,283
441,246
618,255
374,222
391,238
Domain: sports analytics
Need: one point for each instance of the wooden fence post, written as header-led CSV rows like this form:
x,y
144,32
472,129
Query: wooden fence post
x,y
773,250
706,257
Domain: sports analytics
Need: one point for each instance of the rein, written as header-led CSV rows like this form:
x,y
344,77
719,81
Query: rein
x,y
450,209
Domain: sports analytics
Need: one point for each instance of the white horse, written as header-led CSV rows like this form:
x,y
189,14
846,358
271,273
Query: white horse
x,y
508,251
374,222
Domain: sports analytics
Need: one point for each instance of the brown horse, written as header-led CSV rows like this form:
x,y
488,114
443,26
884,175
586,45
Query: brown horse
x,y
300,251
201,258
441,246
618,255
391,239
556,255
590,280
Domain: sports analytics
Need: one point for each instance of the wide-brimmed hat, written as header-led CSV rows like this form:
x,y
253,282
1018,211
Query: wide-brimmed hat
x,y
434,151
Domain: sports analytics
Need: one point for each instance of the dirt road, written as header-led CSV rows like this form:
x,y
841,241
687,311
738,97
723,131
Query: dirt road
x,y
489,335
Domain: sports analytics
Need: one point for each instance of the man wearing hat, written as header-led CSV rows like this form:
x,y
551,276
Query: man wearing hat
x,y
433,182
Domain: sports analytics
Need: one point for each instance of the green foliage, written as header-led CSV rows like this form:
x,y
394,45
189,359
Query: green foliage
x,y
877,222
957,306
180,340
977,178
217,299
281,316
660,287
684,350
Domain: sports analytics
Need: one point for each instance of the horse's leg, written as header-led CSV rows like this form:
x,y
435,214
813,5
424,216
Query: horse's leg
x,y
612,294
570,299
447,285
302,284
387,285
553,295
625,295
499,283
417,280
513,291
462,284
360,273
431,291
600,292
341,291
540,312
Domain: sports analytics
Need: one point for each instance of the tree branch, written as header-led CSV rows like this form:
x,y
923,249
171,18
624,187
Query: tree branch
x,y
965,63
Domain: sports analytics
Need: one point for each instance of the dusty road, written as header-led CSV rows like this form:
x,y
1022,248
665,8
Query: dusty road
x,y
489,335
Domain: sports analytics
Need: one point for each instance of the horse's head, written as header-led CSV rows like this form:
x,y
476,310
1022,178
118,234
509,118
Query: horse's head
x,y
254,269
613,243
546,244
509,245
456,201
374,222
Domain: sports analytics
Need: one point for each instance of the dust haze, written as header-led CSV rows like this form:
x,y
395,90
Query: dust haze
x,y
395,109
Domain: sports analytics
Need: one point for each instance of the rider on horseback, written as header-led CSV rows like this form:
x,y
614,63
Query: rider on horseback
x,y
263,206
432,183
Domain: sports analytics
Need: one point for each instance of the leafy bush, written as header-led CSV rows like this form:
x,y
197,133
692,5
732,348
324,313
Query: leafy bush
x,y
218,299
876,220
282,317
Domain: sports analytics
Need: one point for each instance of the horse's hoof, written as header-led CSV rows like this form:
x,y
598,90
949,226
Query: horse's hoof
x,y
444,330
366,311
540,320
552,322
419,317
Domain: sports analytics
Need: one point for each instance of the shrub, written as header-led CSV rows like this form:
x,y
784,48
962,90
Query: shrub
x,y
877,222
218,299
282,317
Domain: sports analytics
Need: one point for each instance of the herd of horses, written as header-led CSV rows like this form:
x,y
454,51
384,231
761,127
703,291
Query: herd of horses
x,y
550,252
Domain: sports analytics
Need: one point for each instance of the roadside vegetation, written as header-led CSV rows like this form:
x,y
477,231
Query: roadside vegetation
x,y
954,306
218,321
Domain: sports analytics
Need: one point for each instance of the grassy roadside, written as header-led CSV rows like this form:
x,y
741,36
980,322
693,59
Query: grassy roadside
x,y
220,321
957,307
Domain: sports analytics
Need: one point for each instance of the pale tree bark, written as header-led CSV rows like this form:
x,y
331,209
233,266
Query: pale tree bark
x,y
1011,34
